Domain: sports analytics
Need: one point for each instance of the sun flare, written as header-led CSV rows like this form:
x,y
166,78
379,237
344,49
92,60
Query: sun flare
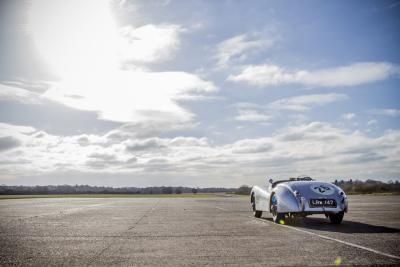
x,y
76,38
85,48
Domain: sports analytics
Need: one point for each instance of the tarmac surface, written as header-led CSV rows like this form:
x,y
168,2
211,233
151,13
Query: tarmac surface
x,y
213,231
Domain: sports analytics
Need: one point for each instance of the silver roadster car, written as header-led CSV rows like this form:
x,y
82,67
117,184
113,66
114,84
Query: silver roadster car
x,y
301,197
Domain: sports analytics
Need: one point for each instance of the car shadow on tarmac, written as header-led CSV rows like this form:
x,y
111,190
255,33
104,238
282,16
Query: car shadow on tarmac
x,y
322,224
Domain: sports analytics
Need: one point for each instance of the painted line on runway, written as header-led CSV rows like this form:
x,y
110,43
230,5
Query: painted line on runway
x,y
326,237
334,239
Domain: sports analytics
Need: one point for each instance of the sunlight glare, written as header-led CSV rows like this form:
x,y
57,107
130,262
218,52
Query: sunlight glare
x,y
84,47
75,37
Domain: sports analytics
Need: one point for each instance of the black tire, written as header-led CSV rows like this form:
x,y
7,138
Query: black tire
x,y
336,218
256,213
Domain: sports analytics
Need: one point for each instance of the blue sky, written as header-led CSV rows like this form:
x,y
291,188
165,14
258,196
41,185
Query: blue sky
x,y
198,93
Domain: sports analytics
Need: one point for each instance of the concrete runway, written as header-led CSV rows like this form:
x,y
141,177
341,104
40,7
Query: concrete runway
x,y
197,231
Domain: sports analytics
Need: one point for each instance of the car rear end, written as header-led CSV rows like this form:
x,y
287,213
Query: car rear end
x,y
319,197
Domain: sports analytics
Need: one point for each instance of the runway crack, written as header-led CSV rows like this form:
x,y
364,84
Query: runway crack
x,y
94,258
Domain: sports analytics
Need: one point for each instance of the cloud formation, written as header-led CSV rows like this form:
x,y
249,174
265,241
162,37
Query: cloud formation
x,y
150,43
350,75
252,115
251,112
306,102
390,112
239,47
348,116
316,148
132,96
12,93
88,52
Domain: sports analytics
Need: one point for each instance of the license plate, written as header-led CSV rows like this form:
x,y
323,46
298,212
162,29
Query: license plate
x,y
331,203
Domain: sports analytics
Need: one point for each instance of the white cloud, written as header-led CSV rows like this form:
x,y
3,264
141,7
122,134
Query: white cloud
x,y
189,141
252,116
372,122
128,96
85,35
313,131
145,145
348,116
239,47
303,103
15,130
251,146
306,102
350,75
150,43
12,93
386,112
316,148
142,130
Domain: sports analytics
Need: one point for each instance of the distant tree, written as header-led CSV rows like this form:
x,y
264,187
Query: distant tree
x,y
243,190
167,190
194,190
178,191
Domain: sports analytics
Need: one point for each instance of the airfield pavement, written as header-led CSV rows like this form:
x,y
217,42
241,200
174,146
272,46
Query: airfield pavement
x,y
213,231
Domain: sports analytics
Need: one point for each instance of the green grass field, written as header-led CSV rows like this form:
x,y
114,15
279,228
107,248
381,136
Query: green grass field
x,y
203,195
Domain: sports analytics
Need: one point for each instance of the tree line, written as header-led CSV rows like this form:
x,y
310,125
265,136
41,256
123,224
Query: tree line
x,y
349,187
368,186
88,189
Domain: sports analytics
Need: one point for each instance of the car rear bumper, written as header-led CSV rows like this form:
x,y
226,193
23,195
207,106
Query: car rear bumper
x,y
340,206
303,206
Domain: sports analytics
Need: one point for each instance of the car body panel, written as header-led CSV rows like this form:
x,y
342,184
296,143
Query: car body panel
x,y
294,197
261,197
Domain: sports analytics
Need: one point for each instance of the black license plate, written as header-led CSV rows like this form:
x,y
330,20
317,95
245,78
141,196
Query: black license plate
x,y
330,203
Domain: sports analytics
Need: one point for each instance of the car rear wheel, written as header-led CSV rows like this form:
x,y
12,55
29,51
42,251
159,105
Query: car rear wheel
x,y
336,218
256,213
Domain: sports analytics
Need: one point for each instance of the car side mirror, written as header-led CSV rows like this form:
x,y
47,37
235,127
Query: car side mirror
x,y
270,181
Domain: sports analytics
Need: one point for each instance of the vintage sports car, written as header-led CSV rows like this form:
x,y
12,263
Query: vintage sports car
x,y
300,196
